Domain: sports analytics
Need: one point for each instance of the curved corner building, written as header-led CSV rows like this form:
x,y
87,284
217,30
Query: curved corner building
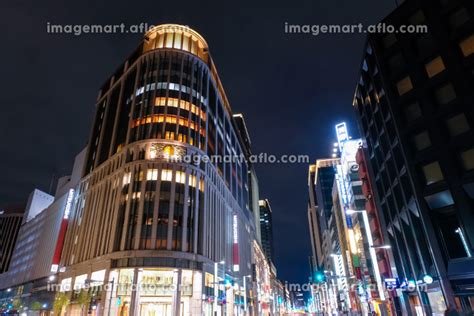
x,y
144,217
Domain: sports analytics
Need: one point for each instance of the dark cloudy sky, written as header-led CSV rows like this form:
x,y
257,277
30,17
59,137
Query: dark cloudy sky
x,y
291,88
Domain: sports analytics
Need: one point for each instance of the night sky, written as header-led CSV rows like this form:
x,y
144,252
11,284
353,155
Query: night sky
x,y
291,88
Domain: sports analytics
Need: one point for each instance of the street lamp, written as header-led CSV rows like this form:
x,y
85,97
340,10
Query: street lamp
x,y
350,212
245,292
216,284
381,246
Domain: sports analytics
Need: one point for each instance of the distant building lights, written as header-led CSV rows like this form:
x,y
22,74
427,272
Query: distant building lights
x,y
54,268
352,241
428,279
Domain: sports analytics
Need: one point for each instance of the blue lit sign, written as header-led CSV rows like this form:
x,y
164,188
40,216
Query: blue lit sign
x,y
341,134
392,283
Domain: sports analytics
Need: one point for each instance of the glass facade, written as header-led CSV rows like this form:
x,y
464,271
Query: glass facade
x,y
413,103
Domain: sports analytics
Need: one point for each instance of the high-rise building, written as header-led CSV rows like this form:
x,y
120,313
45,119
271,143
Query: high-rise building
x,y
266,228
10,221
349,270
357,256
414,104
324,181
315,234
320,184
252,183
37,251
323,231
159,209
380,249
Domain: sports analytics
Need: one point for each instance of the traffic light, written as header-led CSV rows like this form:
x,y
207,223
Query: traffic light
x,y
228,283
319,277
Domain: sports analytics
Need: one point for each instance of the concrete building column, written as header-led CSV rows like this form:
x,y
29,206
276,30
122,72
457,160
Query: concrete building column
x,y
103,307
177,294
134,297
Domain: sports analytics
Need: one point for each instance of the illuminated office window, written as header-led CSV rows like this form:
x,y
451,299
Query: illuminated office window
x,y
169,40
177,40
169,135
186,39
468,159
439,200
166,175
434,67
432,173
180,177
152,174
192,180
467,46
404,85
126,178
161,40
